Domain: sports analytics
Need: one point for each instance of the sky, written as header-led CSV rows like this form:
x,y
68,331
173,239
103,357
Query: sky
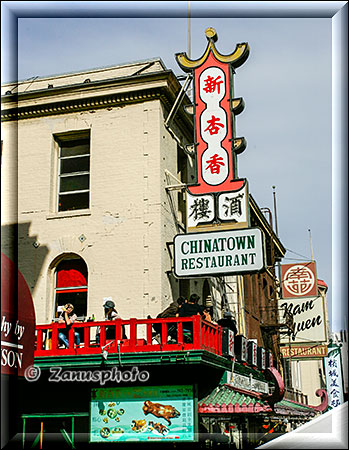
x,y
286,84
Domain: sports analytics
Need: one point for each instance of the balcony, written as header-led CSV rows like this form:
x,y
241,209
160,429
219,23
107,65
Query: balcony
x,y
187,338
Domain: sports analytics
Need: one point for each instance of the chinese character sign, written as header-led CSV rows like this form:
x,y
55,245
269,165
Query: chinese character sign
x,y
334,380
215,143
299,280
227,207
200,209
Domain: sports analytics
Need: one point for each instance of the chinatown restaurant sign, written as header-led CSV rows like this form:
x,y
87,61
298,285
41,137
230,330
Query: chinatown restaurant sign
x,y
221,252
17,321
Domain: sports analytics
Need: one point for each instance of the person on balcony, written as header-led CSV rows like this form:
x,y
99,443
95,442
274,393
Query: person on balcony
x,y
171,311
68,318
189,309
110,313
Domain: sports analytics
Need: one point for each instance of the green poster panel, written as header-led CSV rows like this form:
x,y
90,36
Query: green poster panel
x,y
145,413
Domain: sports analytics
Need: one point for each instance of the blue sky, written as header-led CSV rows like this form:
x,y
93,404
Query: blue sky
x,y
286,85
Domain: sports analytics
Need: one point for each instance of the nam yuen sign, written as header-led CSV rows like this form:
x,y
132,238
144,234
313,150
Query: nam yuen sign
x,y
218,253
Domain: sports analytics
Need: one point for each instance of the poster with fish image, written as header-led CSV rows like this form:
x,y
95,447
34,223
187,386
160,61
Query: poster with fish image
x,y
144,413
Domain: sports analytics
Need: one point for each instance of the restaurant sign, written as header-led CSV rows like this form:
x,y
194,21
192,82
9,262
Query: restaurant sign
x,y
216,253
248,383
304,351
142,413
334,376
218,195
308,320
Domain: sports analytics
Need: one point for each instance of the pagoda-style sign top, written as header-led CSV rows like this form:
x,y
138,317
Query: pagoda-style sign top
x,y
236,59
216,145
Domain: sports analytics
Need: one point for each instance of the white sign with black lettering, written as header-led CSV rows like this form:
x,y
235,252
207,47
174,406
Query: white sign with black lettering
x,y
219,252
308,319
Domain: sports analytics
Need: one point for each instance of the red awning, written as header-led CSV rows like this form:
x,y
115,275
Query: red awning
x,y
72,274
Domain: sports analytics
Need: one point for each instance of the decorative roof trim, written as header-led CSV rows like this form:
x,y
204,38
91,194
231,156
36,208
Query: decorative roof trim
x,y
100,102
68,106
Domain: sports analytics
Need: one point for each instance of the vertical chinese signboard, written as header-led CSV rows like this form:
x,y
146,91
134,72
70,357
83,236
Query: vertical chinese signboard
x,y
334,380
218,200
218,196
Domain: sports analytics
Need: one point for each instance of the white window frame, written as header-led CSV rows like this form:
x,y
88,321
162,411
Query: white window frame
x,y
69,137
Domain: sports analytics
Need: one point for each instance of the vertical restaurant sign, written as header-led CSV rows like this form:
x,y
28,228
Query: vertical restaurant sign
x,y
215,142
299,280
334,379
142,413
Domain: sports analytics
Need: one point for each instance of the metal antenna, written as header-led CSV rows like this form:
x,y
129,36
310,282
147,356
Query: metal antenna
x,y
275,215
311,245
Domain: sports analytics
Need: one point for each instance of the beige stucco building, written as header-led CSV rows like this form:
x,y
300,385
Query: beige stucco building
x,y
86,165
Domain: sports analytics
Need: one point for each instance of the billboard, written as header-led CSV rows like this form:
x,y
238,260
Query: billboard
x,y
308,315
220,252
145,413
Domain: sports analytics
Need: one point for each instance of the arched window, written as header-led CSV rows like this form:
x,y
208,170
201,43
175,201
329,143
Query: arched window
x,y
71,285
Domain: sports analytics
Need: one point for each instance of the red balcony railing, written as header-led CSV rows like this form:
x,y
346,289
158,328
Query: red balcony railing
x,y
187,333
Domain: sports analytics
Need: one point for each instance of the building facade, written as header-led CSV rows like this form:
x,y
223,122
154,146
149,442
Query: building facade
x,y
93,195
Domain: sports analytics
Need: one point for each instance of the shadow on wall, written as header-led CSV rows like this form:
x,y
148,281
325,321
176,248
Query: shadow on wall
x,y
24,250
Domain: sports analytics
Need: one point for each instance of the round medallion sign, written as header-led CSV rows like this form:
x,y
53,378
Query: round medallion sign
x,y
299,280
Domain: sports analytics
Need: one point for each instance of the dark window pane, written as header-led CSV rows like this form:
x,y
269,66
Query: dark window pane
x,y
74,148
71,202
74,183
75,165
77,299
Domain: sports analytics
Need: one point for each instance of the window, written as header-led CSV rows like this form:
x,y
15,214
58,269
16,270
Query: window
x,y
71,285
73,171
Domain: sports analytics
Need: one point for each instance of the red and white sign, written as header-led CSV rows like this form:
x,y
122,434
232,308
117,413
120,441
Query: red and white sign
x,y
17,321
299,280
215,159
252,352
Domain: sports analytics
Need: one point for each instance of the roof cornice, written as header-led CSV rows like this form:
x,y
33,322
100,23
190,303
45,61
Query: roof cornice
x,y
93,97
